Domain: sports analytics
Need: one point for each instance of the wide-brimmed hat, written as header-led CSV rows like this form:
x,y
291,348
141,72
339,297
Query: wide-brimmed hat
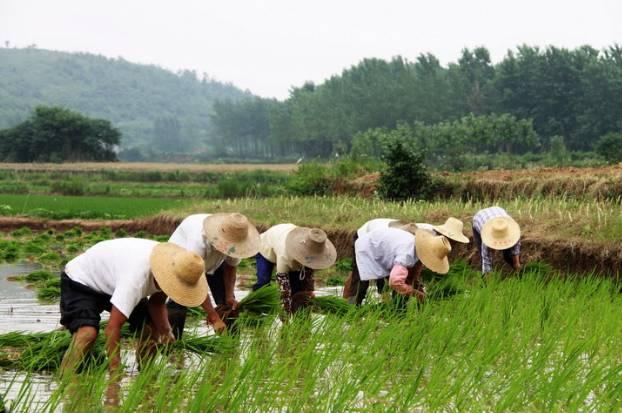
x,y
310,247
232,234
179,273
452,229
432,250
500,233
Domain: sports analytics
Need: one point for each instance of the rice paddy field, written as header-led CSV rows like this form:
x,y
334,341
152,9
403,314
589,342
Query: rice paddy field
x,y
545,339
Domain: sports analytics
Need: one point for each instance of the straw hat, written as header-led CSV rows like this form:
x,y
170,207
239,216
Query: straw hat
x,y
500,233
310,247
179,273
232,234
432,250
452,229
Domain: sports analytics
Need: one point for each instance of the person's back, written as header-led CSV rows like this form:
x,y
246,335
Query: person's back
x,y
379,250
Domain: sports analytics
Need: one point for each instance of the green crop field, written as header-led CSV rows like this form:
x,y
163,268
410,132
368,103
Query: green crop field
x,y
518,344
86,207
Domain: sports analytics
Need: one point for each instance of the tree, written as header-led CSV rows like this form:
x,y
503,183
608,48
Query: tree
x,y
404,175
54,134
609,147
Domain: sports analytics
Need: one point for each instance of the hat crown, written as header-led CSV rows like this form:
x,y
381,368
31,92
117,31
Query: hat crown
x,y
454,225
188,267
499,228
315,239
235,226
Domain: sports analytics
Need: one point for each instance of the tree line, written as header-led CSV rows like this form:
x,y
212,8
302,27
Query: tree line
x,y
530,101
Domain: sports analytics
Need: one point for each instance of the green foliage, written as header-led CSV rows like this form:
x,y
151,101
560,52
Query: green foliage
x,y
609,147
136,98
54,134
558,150
404,175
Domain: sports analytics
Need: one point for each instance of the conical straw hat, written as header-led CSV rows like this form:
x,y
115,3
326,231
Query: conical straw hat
x,y
179,273
232,234
500,233
452,229
432,250
310,247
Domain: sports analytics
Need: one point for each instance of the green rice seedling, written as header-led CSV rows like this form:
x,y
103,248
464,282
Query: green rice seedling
x,y
265,300
204,344
20,232
330,304
39,276
34,247
50,257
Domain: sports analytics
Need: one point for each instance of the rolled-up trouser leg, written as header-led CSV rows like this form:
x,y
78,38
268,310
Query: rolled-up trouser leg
x,y
216,284
176,317
380,284
264,271
282,280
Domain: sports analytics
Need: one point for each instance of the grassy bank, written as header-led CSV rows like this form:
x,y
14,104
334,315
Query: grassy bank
x,y
506,345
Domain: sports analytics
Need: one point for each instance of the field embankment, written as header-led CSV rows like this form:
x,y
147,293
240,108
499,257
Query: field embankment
x,y
144,166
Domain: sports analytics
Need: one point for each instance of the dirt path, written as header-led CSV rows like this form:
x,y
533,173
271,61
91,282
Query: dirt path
x,y
570,256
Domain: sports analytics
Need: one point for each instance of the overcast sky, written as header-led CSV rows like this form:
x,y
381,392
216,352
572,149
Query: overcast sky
x,y
268,46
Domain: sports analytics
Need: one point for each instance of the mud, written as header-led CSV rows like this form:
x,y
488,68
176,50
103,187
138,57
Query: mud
x,y
564,255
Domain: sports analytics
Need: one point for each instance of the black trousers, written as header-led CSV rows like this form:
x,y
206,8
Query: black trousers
x,y
177,313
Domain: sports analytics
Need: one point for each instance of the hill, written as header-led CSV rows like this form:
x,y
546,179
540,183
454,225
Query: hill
x,y
155,109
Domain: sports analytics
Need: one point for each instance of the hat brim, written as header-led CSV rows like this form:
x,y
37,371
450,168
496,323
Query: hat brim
x,y
249,247
424,252
294,247
452,235
508,241
161,261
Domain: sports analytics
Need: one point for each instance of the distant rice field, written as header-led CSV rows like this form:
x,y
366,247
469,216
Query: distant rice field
x,y
146,166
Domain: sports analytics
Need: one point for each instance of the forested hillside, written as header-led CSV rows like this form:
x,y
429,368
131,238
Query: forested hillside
x,y
533,100
155,110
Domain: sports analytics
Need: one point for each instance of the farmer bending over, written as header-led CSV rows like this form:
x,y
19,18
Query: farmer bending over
x,y
116,276
494,229
296,252
401,254
221,240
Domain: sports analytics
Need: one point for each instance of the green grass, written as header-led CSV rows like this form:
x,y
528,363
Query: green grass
x,y
85,207
517,344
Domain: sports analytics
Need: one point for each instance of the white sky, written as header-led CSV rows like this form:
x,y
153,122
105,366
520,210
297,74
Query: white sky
x,y
268,46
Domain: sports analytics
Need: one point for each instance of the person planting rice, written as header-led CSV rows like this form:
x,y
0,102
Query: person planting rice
x,y
401,254
355,290
296,252
117,276
494,229
221,240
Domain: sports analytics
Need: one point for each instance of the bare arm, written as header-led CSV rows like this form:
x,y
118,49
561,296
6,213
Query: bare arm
x,y
229,278
398,280
516,262
212,316
113,338
159,316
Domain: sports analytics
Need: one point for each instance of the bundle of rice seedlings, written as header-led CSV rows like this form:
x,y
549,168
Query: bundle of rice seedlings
x,y
39,276
265,300
50,290
203,344
330,304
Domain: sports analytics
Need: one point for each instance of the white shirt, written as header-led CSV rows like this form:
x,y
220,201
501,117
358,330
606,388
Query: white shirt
x,y
378,251
120,268
274,250
189,235
374,224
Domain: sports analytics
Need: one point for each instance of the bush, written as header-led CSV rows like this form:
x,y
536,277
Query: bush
x,y
609,147
404,175
73,187
311,179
